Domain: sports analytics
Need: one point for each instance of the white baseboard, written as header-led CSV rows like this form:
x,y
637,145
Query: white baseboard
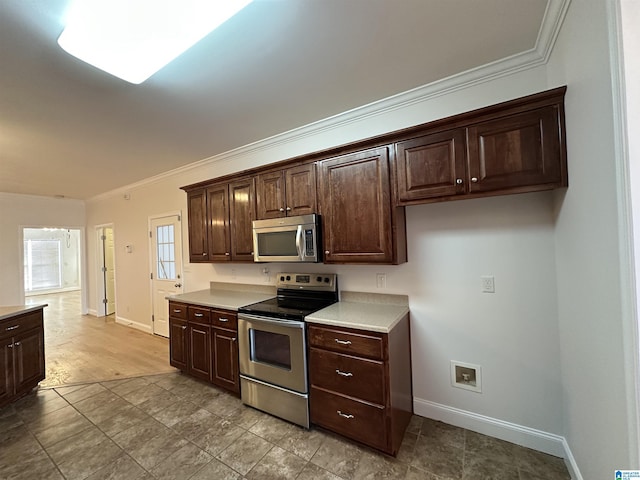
x,y
93,312
137,325
527,437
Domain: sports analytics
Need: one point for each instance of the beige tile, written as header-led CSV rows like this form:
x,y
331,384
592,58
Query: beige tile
x,y
340,457
272,429
314,472
142,393
304,443
121,468
176,412
245,452
222,404
196,424
216,470
158,402
477,466
379,466
541,464
78,394
129,385
63,430
138,433
277,464
498,450
121,419
152,451
100,400
219,436
181,464
245,416
443,433
436,456
414,473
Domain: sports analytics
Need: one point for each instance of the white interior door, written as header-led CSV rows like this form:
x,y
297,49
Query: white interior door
x,y
109,271
166,268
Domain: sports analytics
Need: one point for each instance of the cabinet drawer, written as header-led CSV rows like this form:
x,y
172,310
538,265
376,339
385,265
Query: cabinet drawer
x,y
178,310
20,323
357,420
199,314
353,376
366,344
224,319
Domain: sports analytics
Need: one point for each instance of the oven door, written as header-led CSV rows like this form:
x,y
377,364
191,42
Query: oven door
x,y
273,351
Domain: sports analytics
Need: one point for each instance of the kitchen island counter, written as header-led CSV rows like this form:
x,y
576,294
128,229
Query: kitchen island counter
x,y
13,310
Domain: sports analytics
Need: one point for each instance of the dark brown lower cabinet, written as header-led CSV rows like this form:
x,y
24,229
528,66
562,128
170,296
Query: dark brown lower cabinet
x,y
361,383
225,364
21,355
201,348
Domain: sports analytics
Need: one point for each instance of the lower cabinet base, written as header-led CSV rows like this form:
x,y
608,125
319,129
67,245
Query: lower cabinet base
x,y
352,418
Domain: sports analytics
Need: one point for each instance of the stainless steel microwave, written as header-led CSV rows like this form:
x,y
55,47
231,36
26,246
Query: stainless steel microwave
x,y
287,239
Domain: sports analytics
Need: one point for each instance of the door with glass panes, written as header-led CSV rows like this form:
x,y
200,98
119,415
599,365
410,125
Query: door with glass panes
x,y
166,267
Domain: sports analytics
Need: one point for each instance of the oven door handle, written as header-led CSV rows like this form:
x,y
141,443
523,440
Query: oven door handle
x,y
299,244
282,322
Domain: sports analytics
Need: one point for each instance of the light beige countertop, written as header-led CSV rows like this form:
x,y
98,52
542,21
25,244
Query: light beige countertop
x,y
12,311
364,311
229,296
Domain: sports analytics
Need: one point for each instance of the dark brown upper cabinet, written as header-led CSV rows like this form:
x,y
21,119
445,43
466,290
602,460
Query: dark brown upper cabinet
x,y
220,217
286,192
360,225
513,147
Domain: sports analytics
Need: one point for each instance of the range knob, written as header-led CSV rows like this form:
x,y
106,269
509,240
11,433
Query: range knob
x,y
282,278
318,279
326,279
288,277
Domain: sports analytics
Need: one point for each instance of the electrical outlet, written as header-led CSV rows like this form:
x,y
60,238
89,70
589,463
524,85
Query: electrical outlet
x,y
488,284
381,280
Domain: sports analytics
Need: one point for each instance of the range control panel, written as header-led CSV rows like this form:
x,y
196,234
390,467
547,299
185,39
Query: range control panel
x,y
307,281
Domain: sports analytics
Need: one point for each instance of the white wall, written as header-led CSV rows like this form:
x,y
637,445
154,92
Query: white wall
x,y
18,211
594,406
512,334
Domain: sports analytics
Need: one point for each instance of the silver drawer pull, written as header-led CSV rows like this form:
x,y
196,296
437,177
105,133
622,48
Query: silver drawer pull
x,y
344,374
10,346
223,319
177,310
17,344
343,342
13,328
345,415
184,327
198,314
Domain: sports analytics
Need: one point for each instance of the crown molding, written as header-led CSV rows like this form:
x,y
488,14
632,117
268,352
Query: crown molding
x,y
537,56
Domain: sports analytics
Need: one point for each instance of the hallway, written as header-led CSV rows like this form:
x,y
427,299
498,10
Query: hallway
x,y
83,348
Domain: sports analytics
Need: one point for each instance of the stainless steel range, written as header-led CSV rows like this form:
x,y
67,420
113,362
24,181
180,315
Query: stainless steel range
x,y
272,345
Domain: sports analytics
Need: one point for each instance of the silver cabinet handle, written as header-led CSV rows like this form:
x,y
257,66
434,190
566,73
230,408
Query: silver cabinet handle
x,y
10,345
177,310
223,319
326,252
204,254
459,181
233,339
198,314
344,415
13,327
474,179
227,254
344,374
343,342
184,327
288,209
281,209
17,344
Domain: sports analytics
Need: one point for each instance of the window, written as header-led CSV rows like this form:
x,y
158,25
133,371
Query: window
x,y
166,267
42,265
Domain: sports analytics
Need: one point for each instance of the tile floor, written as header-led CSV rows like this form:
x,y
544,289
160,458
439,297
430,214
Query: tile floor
x,y
170,426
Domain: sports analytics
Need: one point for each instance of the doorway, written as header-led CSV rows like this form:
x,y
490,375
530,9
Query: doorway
x,y
106,271
165,247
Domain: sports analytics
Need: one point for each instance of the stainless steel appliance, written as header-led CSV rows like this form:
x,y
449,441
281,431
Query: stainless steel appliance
x,y
272,345
287,239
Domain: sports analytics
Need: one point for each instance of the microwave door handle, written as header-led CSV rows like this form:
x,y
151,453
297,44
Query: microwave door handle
x,y
299,244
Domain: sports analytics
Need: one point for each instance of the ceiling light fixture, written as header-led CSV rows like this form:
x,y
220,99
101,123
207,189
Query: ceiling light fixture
x,y
133,39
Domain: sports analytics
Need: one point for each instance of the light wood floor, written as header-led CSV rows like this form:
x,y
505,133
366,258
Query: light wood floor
x,y
83,348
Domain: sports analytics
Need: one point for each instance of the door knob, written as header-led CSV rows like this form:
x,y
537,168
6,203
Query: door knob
x,y
474,179
281,209
178,285
459,181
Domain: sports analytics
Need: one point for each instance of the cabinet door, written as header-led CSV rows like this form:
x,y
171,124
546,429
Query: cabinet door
x,y
198,231
270,195
218,223
6,370
356,208
300,190
225,364
178,347
515,151
28,356
430,166
242,213
199,351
